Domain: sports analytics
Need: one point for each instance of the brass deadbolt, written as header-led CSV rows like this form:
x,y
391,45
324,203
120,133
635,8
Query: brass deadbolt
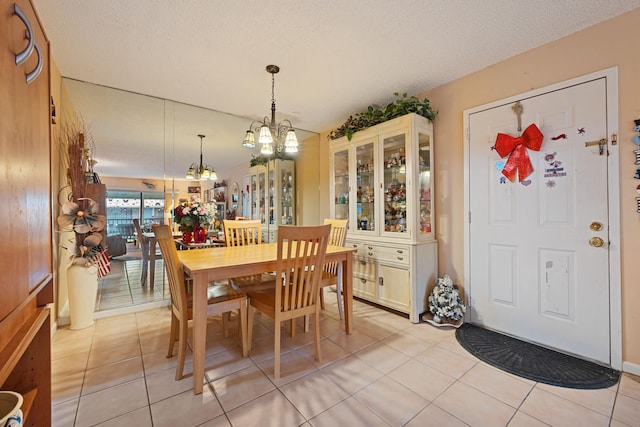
x,y
596,226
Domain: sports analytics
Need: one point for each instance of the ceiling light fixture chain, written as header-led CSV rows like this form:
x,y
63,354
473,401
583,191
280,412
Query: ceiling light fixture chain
x,y
281,137
201,171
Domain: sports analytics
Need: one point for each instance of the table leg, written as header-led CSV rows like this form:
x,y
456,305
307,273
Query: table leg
x,y
347,292
152,262
144,248
199,329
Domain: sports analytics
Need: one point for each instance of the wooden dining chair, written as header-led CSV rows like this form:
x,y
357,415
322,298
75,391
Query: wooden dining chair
x,y
220,299
301,253
243,233
332,272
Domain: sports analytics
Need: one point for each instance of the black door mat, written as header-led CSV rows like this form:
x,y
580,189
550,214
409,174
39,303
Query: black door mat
x,y
534,362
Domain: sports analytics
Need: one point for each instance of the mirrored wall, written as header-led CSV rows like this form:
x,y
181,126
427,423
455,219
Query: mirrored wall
x,y
145,145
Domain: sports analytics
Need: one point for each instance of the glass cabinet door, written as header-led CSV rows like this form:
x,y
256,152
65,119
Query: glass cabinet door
x,y
253,182
365,192
424,183
394,184
341,184
271,189
262,184
287,214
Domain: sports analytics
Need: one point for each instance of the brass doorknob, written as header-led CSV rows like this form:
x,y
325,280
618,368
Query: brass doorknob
x,y
596,242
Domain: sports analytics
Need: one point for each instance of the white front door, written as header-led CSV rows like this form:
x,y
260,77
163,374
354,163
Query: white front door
x,y
538,259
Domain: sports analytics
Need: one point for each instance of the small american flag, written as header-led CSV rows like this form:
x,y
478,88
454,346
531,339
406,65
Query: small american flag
x,y
104,264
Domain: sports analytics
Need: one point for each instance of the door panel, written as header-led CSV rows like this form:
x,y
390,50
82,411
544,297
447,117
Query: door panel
x,y
533,273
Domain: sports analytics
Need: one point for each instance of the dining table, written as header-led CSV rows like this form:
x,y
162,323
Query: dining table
x,y
221,263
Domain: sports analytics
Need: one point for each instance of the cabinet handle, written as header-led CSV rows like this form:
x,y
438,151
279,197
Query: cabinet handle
x,y
22,56
381,281
370,253
400,251
26,53
370,247
363,281
355,246
36,72
400,258
363,262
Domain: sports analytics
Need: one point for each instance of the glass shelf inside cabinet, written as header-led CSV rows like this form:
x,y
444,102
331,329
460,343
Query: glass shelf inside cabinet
x,y
287,197
341,184
424,181
365,193
395,184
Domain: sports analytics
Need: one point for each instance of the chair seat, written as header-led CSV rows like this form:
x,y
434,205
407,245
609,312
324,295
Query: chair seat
x,y
254,282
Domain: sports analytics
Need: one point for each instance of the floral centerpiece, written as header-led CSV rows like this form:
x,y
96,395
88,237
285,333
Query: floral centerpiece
x,y
444,301
195,217
190,214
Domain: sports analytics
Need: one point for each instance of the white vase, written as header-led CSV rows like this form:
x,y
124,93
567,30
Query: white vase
x,y
83,288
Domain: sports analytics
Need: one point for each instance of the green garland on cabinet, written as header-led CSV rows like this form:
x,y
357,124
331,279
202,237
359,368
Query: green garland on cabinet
x,y
374,115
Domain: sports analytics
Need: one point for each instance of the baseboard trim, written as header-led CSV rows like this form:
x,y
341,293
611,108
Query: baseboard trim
x,y
632,368
130,309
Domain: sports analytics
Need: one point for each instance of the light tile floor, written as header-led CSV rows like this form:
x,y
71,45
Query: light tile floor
x,y
389,372
121,288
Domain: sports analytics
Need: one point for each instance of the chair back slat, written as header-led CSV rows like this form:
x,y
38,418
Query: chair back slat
x,y
175,272
301,253
242,233
337,237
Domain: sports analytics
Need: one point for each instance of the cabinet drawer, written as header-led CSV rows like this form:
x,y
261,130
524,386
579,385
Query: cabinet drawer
x,y
362,249
364,268
365,289
394,255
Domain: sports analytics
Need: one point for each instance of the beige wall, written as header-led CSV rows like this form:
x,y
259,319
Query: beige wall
x,y
612,43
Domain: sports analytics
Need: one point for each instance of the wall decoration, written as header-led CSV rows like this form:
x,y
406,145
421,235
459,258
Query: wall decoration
x,y
561,136
636,139
581,131
555,168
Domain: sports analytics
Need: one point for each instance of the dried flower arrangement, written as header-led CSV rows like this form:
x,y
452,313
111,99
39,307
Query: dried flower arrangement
x,y
79,213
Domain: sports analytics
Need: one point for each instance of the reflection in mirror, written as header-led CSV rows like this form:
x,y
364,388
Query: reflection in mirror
x,y
235,199
144,147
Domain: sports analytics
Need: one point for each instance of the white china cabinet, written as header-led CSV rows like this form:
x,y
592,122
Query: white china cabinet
x,y
272,196
381,181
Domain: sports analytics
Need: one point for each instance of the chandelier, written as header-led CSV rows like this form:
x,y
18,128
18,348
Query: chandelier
x,y
281,137
201,171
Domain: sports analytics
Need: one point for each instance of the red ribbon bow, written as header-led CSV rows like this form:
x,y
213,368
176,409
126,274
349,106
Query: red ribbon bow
x,y
519,159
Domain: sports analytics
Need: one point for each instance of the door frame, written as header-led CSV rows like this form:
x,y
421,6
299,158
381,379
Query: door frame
x,y
615,311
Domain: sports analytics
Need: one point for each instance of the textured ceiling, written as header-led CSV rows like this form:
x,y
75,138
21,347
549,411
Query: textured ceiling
x,y
336,57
